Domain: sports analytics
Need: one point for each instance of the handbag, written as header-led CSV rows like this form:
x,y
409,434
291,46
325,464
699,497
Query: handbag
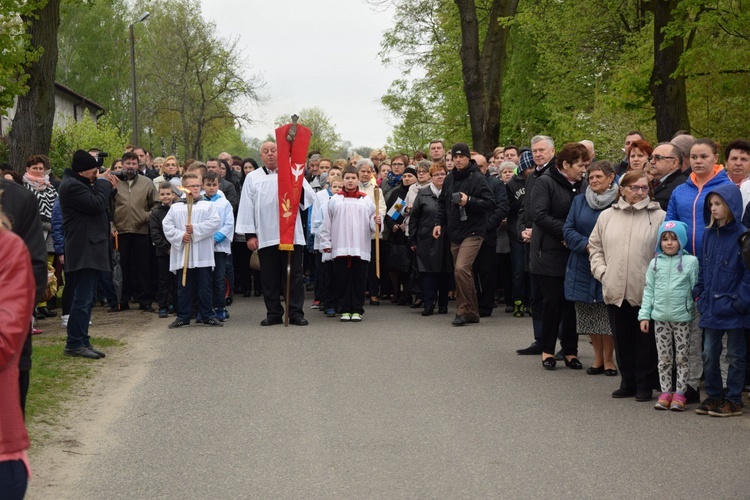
x,y
51,289
255,261
400,258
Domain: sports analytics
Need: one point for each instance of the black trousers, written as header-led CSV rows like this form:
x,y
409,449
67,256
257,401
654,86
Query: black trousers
x,y
242,272
351,280
485,278
559,316
635,351
273,279
435,287
167,293
136,271
328,290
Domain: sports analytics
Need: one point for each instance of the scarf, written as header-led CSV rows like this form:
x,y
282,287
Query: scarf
x,y
435,190
353,194
601,201
393,179
38,183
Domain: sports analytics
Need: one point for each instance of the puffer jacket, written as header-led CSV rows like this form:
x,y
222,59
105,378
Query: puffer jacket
x,y
580,286
133,204
670,280
621,247
551,200
686,205
723,288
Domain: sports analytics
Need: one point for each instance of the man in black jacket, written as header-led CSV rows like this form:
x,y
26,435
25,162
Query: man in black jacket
x,y
465,202
84,198
665,165
485,265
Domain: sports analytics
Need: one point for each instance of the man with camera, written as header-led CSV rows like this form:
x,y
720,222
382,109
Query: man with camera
x,y
133,202
465,201
84,198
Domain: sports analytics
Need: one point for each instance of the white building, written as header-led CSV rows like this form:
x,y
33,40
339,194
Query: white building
x,y
69,105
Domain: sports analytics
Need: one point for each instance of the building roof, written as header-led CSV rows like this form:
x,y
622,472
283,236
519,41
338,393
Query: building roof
x,y
67,90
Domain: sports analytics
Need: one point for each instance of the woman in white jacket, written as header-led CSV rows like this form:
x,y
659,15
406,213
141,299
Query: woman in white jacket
x,y
620,249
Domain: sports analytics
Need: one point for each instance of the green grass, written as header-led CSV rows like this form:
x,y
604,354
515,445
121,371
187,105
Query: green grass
x,y
56,379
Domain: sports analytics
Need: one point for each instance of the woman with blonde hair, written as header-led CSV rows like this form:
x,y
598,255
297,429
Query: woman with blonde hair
x,y
170,172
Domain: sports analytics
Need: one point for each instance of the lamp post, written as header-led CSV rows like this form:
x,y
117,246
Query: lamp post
x,y
134,103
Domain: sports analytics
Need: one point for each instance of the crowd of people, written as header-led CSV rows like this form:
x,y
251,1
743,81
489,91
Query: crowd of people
x,y
646,256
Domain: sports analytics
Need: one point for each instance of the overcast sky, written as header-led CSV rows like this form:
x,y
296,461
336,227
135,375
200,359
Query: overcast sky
x,y
314,53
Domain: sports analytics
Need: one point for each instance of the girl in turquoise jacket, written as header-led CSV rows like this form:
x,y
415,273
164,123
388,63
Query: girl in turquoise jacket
x,y
668,301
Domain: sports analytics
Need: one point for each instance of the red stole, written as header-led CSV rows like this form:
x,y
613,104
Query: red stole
x,y
292,158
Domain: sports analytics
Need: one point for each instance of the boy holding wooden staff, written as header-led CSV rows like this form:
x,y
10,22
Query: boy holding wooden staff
x,y
191,237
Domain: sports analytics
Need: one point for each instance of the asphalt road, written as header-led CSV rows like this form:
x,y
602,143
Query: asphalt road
x,y
398,406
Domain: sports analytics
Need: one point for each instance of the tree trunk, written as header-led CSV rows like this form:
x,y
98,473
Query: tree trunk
x,y
31,130
668,91
483,72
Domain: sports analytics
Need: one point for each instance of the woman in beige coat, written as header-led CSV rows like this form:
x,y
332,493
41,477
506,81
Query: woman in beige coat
x,y
620,247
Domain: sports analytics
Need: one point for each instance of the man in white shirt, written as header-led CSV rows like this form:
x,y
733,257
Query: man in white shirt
x,y
258,219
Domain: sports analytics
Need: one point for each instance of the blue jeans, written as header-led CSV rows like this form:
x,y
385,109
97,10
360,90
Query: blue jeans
x,y
219,277
736,348
80,308
14,478
199,278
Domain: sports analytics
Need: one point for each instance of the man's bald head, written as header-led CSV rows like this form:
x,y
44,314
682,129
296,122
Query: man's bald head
x,y
268,155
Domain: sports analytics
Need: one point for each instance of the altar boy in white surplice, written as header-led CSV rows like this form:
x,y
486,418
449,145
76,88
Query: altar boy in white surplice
x,y
199,234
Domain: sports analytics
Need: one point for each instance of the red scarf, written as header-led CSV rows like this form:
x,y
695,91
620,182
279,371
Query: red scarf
x,y
353,194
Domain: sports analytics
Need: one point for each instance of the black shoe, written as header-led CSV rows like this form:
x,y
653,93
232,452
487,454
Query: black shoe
x,y
178,323
417,304
509,309
643,396
257,293
559,355
113,309
213,322
623,393
573,364
534,349
549,363
147,308
47,313
485,314
473,320
270,320
374,301
300,321
692,396
96,351
229,300
459,321
610,372
38,314
124,306
81,352
428,311
442,310
595,370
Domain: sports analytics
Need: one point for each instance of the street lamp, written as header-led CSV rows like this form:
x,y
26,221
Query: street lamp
x,y
132,78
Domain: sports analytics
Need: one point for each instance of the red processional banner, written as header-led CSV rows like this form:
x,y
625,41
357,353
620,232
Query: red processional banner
x,y
292,141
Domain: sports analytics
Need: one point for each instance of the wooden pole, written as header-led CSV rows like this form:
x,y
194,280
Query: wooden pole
x,y
187,244
376,190
288,283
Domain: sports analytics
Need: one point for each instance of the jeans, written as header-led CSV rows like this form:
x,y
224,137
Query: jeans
x,y
14,479
84,283
736,350
200,279
219,280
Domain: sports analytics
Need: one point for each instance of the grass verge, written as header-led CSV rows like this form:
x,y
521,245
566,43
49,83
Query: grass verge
x,y
55,379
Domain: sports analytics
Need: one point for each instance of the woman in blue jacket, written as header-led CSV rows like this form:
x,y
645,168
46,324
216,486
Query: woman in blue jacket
x,y
580,286
723,293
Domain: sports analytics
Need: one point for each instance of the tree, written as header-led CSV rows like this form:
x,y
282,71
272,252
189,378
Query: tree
x,y
35,111
191,81
16,51
85,134
324,136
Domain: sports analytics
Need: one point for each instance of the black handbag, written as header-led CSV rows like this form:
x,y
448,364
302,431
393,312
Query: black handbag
x,y
400,259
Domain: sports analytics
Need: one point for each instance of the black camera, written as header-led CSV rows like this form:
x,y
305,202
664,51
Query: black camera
x,y
100,155
456,199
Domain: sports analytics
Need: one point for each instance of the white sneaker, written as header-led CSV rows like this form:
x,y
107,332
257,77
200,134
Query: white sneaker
x,y
64,320
356,317
346,317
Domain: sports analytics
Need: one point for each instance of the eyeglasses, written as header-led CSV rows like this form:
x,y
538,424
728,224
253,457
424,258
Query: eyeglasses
x,y
397,164
635,188
660,157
